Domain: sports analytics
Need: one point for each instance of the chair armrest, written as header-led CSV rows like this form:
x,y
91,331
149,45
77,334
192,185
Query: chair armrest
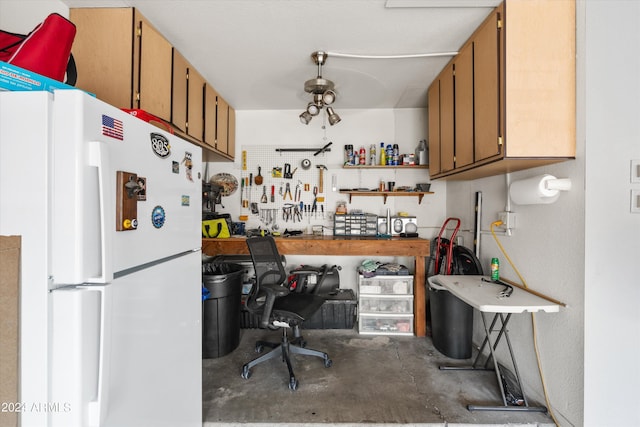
x,y
272,291
275,290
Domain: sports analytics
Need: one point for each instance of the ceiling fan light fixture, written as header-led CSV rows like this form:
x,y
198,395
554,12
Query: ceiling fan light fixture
x,y
313,108
333,117
323,93
318,85
328,97
305,118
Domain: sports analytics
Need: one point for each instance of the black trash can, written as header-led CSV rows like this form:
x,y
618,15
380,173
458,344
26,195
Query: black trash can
x,y
451,324
221,308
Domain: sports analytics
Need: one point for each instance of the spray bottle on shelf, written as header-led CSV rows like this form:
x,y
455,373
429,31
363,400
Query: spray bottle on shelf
x,y
383,155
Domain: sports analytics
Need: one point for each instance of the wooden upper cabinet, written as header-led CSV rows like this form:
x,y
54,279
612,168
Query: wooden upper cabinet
x,y
188,97
195,112
180,93
447,120
539,78
152,57
103,51
463,83
122,59
222,126
487,46
433,96
523,91
126,62
231,132
210,115
219,122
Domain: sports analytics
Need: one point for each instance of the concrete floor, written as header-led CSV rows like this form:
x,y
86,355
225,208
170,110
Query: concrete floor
x,y
374,380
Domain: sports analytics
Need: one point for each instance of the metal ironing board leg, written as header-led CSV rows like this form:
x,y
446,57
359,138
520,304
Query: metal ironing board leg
x,y
492,347
502,332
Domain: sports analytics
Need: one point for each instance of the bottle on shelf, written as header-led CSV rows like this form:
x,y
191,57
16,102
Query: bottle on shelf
x,y
348,154
383,155
421,152
363,156
389,155
372,155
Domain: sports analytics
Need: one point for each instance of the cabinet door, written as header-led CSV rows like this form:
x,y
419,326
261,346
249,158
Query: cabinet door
x,y
464,107
222,128
195,110
447,120
231,133
487,88
210,115
179,93
434,127
152,60
102,49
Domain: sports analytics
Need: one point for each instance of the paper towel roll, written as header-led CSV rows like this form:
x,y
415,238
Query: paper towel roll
x,y
541,189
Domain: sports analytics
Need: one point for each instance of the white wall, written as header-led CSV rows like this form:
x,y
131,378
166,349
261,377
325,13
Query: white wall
x,y
612,233
21,16
358,128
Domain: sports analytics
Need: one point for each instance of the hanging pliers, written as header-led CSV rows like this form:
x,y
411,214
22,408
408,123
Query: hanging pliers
x,y
287,191
298,191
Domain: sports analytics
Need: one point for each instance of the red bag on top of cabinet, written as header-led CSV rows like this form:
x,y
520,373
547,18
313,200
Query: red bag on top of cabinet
x,y
46,50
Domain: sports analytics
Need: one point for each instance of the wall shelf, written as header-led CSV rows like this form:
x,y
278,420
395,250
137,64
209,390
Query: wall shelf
x,y
385,194
385,167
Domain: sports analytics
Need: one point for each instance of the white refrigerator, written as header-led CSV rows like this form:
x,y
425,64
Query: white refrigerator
x,y
109,210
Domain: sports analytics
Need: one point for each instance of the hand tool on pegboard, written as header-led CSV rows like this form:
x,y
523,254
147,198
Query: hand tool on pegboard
x,y
322,168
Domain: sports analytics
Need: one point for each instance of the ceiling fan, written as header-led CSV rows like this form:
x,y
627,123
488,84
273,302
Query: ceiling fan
x,y
323,93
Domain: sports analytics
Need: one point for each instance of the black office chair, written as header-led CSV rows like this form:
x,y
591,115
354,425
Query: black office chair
x,y
276,307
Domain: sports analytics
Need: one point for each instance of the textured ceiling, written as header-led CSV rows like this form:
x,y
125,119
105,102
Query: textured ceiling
x,y
257,53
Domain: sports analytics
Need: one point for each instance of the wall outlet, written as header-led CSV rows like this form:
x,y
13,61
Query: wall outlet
x,y
508,220
635,201
635,171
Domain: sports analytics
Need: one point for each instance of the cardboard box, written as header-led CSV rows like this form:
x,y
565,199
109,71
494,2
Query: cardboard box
x,y
19,79
9,325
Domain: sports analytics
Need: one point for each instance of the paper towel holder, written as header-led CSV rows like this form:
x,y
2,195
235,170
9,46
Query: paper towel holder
x,y
542,189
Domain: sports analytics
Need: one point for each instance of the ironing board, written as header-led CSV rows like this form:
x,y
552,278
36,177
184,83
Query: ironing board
x,y
489,297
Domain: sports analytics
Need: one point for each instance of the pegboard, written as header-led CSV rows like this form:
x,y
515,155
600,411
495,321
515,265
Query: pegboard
x,y
267,158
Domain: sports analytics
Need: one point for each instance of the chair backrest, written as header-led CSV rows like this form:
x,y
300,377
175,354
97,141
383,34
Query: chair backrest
x,y
269,270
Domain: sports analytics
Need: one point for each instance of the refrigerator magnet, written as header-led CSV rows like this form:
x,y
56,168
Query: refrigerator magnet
x,y
160,145
188,164
142,188
158,216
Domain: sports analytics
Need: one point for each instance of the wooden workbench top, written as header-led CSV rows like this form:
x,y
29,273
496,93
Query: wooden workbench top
x,y
327,245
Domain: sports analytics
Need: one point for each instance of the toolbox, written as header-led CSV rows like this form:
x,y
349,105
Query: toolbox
x,y
337,312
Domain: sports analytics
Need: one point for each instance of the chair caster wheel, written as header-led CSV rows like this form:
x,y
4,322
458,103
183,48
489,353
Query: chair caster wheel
x,y
293,384
328,363
303,343
259,348
246,373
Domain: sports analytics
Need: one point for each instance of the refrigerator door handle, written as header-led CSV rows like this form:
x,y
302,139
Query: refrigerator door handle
x,y
97,408
99,159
